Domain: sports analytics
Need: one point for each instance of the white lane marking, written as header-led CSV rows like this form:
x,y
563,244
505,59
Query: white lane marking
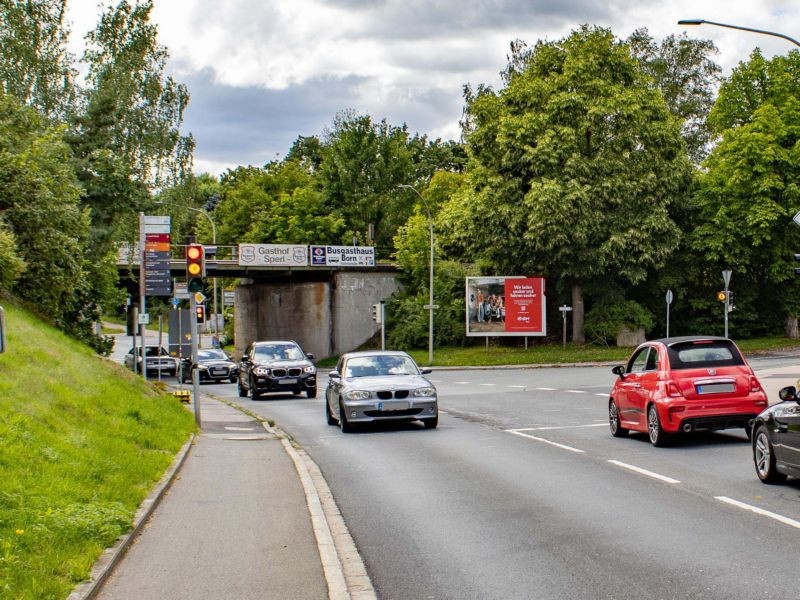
x,y
759,511
538,439
517,386
543,389
550,428
488,384
576,391
641,471
603,395
462,382
436,380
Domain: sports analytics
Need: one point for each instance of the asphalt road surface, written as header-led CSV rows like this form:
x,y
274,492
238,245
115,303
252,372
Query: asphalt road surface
x,y
522,493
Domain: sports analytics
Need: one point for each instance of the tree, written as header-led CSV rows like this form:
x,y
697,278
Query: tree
x,y
36,68
573,168
11,265
749,190
682,68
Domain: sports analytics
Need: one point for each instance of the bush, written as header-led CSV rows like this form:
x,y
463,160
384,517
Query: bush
x,y
605,320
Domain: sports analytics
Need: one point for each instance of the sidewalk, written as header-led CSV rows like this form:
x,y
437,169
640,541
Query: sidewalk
x,y
234,523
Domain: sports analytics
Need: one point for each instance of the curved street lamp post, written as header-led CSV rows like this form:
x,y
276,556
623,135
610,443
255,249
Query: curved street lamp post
x,y
430,306
750,29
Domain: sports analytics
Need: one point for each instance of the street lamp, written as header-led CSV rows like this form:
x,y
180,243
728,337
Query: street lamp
x,y
430,306
704,22
213,241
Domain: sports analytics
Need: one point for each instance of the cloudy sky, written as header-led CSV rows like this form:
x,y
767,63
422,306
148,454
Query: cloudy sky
x,y
262,72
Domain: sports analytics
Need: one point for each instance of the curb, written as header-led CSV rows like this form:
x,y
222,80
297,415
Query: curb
x,y
107,561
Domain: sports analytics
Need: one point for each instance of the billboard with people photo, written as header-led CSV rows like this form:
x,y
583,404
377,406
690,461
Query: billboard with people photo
x,y
498,306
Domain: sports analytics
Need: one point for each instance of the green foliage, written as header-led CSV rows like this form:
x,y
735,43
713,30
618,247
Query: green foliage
x,y
82,441
11,265
36,68
605,319
749,192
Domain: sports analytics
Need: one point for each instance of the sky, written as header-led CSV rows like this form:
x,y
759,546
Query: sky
x,y
263,72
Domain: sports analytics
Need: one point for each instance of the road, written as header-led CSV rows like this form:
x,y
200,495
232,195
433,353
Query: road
x,y
523,493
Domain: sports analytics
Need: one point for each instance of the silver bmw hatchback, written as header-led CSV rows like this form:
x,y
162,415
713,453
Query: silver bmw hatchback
x,y
377,386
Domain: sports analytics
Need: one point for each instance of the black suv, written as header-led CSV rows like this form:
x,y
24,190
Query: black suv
x,y
280,367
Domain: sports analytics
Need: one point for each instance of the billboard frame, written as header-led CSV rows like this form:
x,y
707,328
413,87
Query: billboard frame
x,y
487,281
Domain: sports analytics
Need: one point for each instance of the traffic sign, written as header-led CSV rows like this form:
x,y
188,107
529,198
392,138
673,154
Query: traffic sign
x,y
199,297
176,302
669,296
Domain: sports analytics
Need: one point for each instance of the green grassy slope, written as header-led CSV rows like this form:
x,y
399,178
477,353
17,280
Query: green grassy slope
x,y
82,442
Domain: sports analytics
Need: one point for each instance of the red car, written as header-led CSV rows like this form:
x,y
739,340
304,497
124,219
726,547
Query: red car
x,y
684,384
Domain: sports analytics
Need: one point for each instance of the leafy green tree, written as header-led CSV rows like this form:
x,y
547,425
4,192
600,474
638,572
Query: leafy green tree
x,y
749,190
11,265
573,169
683,69
36,68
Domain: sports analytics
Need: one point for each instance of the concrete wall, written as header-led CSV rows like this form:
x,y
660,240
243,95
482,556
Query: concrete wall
x,y
325,317
354,295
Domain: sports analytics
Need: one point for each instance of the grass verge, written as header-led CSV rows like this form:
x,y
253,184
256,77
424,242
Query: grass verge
x,y
82,442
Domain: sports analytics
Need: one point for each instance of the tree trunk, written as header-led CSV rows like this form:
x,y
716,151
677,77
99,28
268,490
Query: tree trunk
x,y
577,315
791,326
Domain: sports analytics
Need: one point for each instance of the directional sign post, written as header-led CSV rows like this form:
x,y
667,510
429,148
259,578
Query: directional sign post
x,y
726,278
564,310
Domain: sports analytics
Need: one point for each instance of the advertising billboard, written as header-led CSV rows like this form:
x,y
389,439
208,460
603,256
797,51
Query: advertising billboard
x,y
506,306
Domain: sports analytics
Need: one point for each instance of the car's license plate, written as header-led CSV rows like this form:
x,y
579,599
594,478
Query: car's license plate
x,y
387,406
287,381
219,371
716,388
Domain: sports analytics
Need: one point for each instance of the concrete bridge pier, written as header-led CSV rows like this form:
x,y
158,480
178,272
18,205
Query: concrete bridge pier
x,y
327,314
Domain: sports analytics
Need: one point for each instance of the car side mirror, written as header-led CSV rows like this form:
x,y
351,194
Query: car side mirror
x,y
334,375
788,393
426,371
619,370
309,356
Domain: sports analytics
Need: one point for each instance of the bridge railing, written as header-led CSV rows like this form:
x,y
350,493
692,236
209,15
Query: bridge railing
x,y
128,254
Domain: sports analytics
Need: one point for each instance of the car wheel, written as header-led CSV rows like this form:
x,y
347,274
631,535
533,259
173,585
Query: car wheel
x,y
328,415
613,420
344,424
764,458
254,395
657,436
242,391
297,392
311,392
234,380
431,423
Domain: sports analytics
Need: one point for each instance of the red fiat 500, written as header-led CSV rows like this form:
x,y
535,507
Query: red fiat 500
x,y
684,384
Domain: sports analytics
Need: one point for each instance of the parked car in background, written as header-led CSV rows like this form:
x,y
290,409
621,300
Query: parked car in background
x,y
379,385
158,360
279,366
776,439
212,365
684,384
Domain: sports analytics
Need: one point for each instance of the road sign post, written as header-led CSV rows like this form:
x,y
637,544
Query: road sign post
x,y
564,310
194,372
726,278
669,301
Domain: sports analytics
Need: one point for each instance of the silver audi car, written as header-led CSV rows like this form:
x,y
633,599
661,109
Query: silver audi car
x,y
378,386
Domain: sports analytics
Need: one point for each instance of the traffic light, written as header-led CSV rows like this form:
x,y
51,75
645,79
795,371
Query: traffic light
x,y
731,305
375,312
200,313
721,296
195,267
797,270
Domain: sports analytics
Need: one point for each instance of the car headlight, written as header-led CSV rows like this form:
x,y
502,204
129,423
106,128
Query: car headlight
x,y
425,392
261,371
357,395
202,367
310,369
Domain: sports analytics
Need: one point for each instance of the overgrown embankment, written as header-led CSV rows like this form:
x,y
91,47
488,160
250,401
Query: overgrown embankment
x,y
82,441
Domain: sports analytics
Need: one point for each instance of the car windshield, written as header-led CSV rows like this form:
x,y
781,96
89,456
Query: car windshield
x,y
702,354
278,352
372,366
211,355
154,351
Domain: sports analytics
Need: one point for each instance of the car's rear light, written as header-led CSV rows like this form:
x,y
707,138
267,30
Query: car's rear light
x,y
754,385
673,391
676,409
760,403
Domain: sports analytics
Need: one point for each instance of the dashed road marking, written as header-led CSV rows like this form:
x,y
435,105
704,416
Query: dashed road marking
x,y
462,382
552,427
538,439
544,389
576,391
517,386
641,471
488,384
759,511
603,395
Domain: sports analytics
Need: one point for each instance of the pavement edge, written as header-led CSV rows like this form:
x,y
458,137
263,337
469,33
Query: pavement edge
x,y
342,565
109,559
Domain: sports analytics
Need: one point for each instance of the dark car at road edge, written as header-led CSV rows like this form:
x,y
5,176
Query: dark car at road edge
x,y
276,367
